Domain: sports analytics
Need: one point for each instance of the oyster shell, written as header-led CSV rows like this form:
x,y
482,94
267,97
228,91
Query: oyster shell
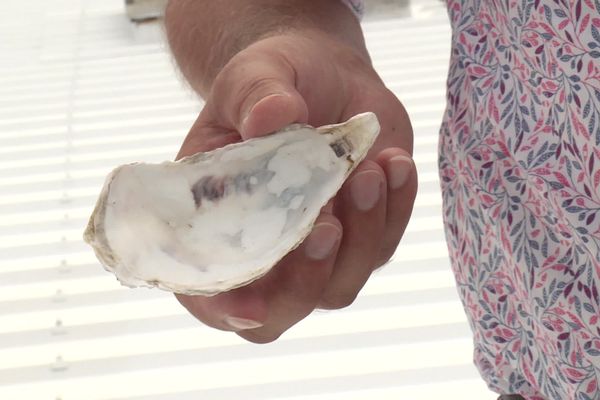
x,y
215,221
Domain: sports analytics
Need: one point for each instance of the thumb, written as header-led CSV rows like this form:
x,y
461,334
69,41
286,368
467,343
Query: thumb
x,y
257,96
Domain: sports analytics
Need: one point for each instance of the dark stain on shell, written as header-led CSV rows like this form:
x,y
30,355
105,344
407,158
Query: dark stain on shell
x,y
214,188
210,188
341,147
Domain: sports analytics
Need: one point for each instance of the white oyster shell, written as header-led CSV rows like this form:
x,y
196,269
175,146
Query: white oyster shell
x,y
219,220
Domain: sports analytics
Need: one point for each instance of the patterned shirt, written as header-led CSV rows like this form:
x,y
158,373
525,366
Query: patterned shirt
x,y
520,173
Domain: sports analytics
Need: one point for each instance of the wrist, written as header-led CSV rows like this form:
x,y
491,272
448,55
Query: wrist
x,y
205,35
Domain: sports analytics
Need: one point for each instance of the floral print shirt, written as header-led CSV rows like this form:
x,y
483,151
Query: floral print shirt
x,y
520,174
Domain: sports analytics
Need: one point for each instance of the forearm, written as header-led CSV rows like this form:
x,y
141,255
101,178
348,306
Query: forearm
x,y
205,34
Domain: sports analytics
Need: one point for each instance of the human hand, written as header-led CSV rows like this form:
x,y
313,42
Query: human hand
x,y
310,78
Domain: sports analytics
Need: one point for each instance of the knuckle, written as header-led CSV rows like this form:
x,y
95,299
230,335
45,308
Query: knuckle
x,y
382,263
239,91
338,300
259,338
385,255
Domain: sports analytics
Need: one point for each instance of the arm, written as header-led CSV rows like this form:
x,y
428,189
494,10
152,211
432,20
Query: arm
x,y
205,34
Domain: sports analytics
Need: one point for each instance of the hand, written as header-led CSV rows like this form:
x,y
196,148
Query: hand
x,y
309,77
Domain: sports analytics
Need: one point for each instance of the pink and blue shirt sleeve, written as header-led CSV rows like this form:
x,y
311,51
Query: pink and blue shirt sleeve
x,y
520,175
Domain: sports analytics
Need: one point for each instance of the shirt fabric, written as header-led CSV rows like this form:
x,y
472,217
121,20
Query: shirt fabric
x,y
520,172
519,160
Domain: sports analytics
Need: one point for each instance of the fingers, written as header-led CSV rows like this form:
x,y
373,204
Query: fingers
x,y
257,96
374,207
294,287
263,310
361,208
242,308
328,269
252,96
205,137
401,179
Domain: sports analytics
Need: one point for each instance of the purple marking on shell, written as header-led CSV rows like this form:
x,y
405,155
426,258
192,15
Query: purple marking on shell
x,y
210,188
214,188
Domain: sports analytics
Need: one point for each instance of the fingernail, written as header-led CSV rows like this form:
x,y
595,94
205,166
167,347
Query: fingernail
x,y
322,240
365,189
400,167
249,111
241,324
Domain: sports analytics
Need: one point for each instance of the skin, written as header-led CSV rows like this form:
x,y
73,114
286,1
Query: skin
x,y
261,65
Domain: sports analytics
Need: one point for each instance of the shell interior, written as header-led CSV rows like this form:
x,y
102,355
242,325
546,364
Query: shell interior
x,y
219,220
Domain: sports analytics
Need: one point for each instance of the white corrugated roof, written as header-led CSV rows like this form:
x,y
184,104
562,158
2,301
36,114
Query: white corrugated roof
x,y
82,90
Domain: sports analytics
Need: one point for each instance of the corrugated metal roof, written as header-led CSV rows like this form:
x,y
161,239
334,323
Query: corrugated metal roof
x,y
82,90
